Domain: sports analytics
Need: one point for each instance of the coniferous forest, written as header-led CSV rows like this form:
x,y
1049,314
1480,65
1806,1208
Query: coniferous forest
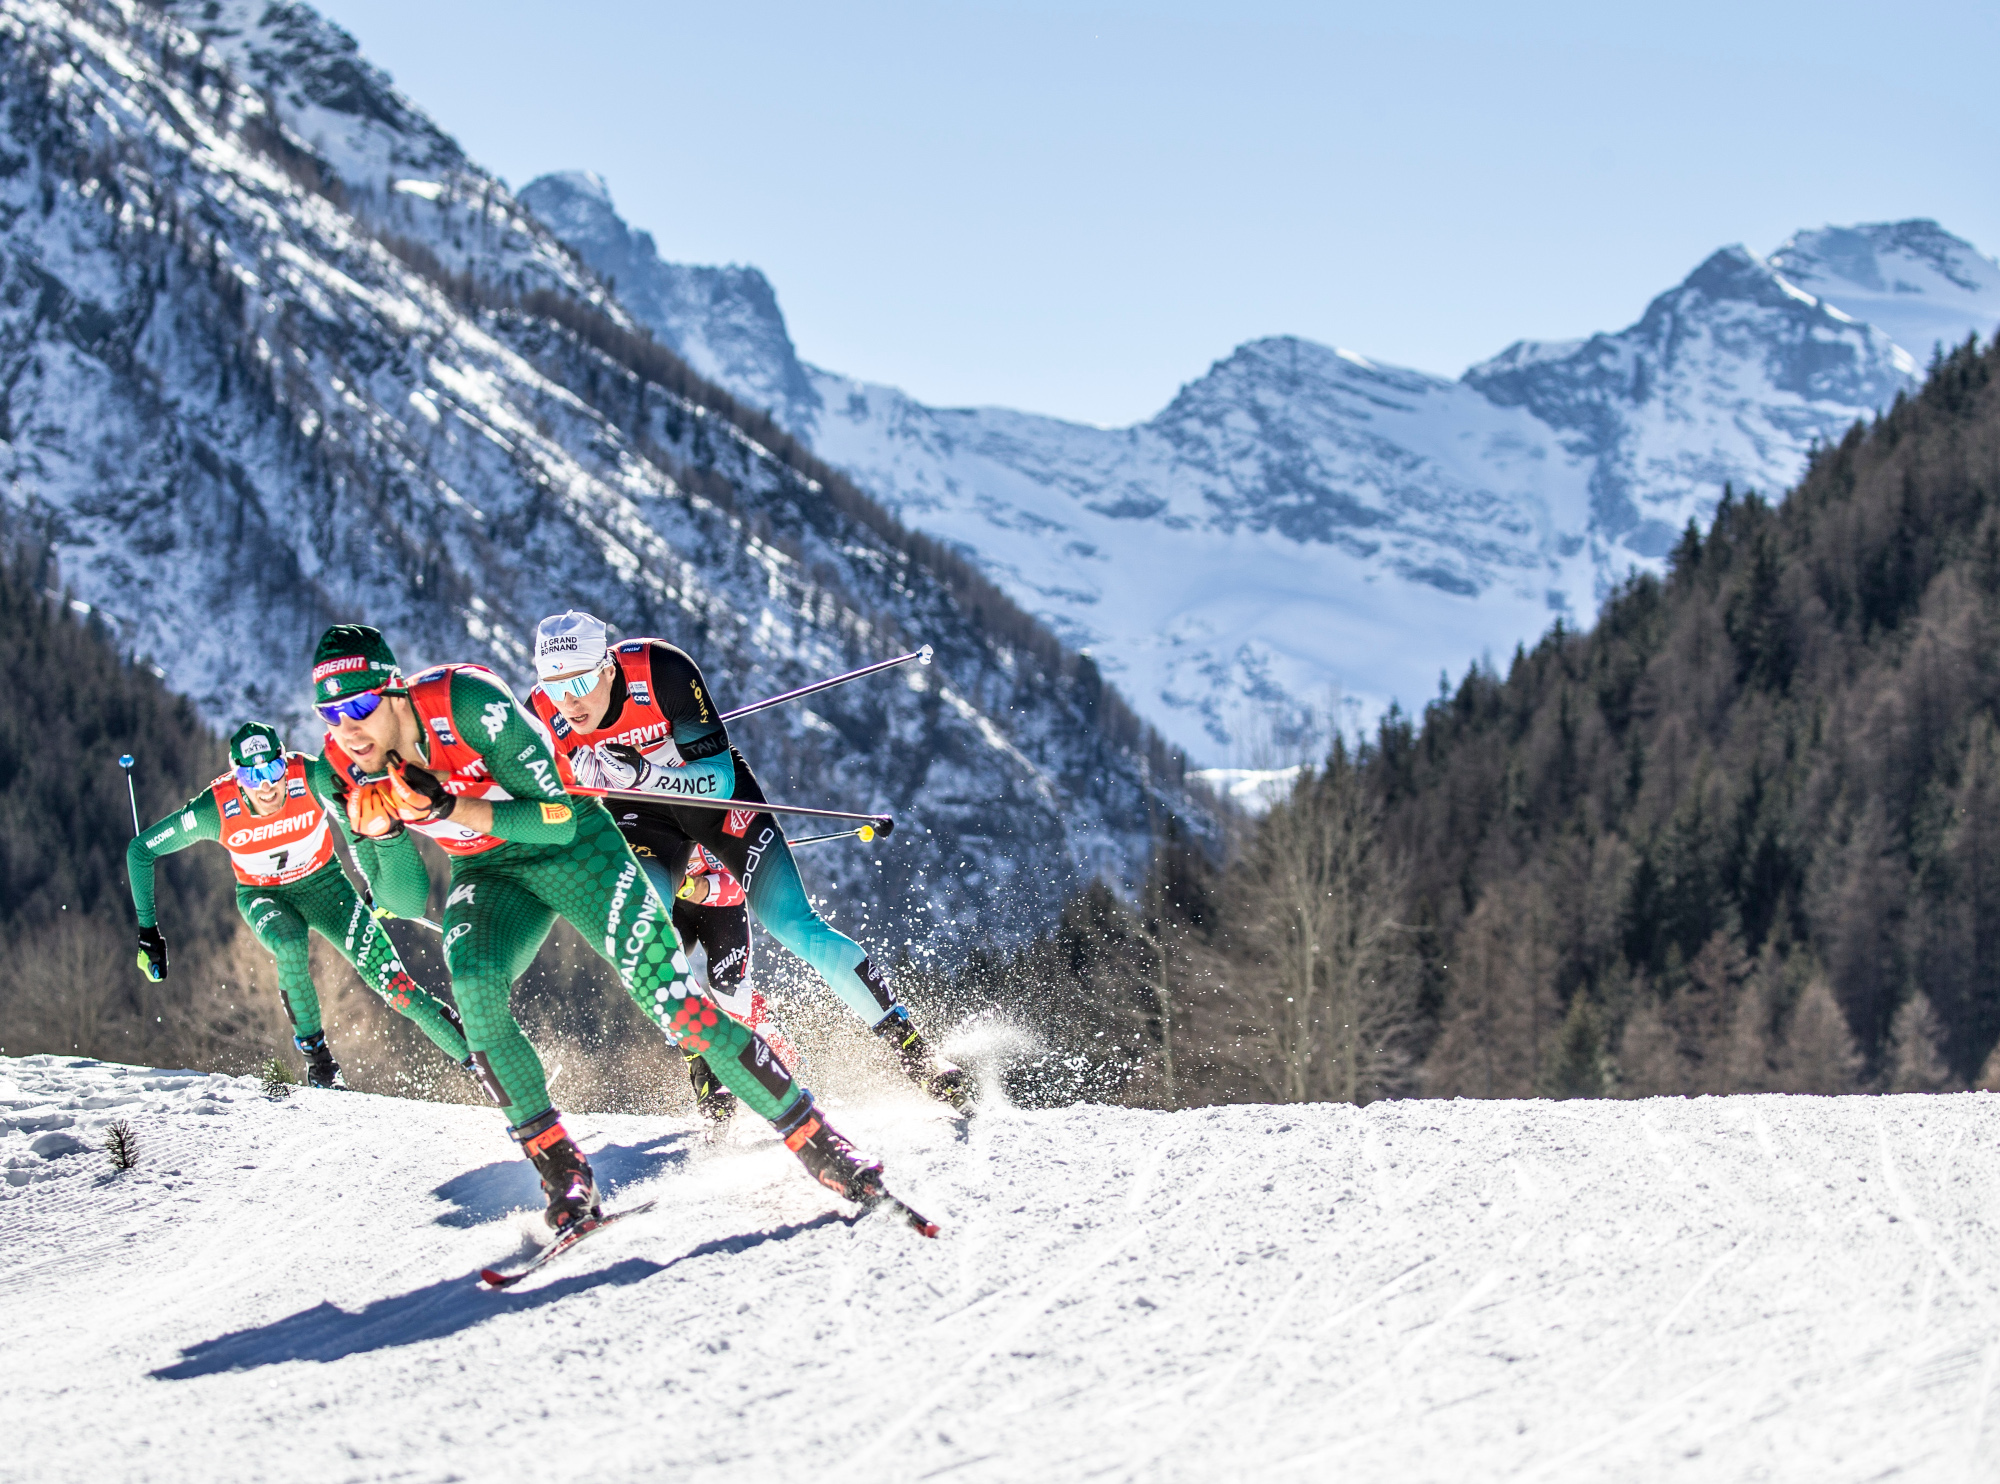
x,y
1741,836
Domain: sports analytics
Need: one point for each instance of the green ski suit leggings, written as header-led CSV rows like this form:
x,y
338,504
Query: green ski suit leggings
x,y
501,906
281,917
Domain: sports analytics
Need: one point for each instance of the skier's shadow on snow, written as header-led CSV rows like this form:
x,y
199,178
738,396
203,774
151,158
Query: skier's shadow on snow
x,y
492,1191
327,1333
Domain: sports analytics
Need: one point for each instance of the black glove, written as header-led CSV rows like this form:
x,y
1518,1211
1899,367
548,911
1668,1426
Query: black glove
x,y
411,785
152,954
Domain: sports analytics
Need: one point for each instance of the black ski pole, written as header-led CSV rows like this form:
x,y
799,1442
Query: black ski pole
x,y
882,824
921,656
125,762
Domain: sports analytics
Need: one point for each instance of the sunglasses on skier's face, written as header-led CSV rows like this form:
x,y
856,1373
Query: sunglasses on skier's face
x,y
573,687
350,708
256,775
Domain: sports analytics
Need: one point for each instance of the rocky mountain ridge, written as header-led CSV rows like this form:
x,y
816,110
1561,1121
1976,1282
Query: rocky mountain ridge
x,y
1303,520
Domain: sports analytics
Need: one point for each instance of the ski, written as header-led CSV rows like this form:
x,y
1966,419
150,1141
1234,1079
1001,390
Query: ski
x,y
494,1278
922,1225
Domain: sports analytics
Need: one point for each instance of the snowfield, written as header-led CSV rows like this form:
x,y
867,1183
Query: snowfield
x,y
1724,1288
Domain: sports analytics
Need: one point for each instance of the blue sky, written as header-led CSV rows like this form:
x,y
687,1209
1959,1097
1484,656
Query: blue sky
x,y
1076,208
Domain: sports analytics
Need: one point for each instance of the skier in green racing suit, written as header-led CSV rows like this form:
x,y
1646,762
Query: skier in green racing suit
x,y
274,812
452,754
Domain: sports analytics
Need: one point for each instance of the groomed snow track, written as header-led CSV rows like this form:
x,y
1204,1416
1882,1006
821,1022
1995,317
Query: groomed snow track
x,y
1736,1288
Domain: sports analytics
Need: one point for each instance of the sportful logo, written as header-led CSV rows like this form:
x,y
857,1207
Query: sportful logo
x,y
187,820
494,719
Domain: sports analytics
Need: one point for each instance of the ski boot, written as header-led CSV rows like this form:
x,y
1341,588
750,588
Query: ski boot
x,y
714,1102
566,1177
936,1076
828,1157
321,1069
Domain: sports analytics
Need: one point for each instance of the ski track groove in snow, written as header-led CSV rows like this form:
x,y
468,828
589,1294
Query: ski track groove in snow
x,y
1721,1288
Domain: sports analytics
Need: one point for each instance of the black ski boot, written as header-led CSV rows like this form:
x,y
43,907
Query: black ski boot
x,y
321,1069
828,1157
713,1101
566,1177
936,1076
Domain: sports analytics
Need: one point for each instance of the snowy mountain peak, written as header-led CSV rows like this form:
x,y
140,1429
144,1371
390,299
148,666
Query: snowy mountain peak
x,y
724,322
348,108
1913,280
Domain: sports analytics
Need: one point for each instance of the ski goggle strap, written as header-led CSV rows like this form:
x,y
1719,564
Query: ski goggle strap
x,y
350,708
573,686
256,775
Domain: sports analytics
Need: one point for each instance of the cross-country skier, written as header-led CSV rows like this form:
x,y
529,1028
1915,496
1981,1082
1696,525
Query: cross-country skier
x,y
451,753
274,812
639,716
710,913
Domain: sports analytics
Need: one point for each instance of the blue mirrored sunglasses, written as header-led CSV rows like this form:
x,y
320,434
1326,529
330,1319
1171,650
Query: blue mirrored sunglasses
x,y
256,775
350,708
573,686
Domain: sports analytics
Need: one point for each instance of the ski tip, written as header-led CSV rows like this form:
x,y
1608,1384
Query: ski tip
x,y
493,1278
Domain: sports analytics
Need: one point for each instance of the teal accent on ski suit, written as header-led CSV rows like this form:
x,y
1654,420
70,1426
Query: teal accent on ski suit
x,y
757,856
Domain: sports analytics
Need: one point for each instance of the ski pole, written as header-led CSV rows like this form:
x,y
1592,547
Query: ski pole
x,y
882,824
125,762
864,834
921,656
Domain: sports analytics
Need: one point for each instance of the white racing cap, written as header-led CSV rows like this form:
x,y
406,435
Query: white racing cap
x,y
569,643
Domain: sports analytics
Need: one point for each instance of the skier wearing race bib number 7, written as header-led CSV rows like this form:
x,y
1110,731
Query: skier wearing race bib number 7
x,y
275,812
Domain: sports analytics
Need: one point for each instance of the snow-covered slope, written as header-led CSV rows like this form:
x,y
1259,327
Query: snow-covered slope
x,y
1914,281
1298,519
1723,1288
1302,519
263,371
1729,378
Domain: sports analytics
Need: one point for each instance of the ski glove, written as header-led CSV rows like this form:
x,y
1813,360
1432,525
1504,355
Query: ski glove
x,y
372,812
419,795
152,954
622,766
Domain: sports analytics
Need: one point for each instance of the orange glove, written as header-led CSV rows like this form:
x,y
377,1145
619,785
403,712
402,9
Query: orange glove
x,y
371,811
417,794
